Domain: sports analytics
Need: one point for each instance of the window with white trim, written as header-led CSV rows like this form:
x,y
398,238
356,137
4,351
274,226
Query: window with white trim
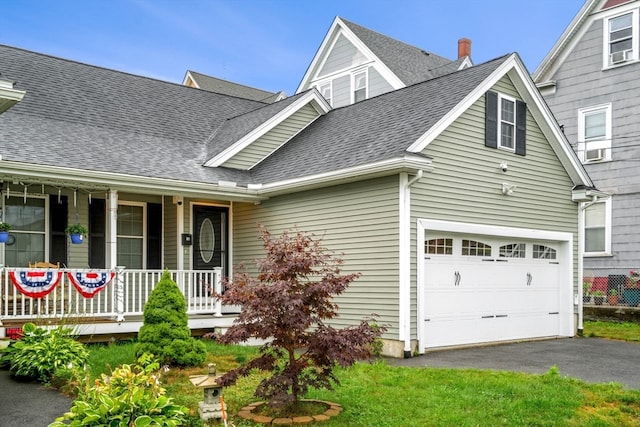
x,y
359,86
505,123
544,252
507,115
513,250
325,90
594,133
620,38
597,228
28,219
131,235
441,246
475,248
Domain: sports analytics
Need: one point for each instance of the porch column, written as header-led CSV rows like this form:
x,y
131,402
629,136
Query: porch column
x,y
180,229
112,229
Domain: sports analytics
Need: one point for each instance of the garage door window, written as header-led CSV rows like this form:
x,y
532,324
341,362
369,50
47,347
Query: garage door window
x,y
439,247
543,252
514,250
475,248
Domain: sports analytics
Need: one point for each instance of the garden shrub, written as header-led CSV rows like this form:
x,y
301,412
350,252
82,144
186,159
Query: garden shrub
x,y
40,352
287,305
165,331
130,396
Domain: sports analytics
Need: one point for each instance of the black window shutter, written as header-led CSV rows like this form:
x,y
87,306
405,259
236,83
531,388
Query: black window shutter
x,y
58,212
491,120
521,128
97,233
154,236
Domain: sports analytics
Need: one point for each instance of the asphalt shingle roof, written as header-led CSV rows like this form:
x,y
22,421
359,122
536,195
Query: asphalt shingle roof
x,y
101,119
225,87
238,127
372,130
411,64
91,118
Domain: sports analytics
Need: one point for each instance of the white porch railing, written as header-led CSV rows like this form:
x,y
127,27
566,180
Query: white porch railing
x,y
124,296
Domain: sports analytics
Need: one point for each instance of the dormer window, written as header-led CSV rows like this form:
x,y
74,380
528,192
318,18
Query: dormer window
x,y
621,38
325,90
360,86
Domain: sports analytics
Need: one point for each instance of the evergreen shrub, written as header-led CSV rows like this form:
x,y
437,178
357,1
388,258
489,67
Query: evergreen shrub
x,y
165,331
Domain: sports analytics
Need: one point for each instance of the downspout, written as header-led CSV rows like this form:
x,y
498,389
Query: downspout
x,y
581,210
405,259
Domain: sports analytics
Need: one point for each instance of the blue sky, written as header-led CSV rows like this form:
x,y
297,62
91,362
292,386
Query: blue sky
x,y
269,43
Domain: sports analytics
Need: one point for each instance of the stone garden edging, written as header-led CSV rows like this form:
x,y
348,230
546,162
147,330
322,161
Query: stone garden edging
x,y
333,410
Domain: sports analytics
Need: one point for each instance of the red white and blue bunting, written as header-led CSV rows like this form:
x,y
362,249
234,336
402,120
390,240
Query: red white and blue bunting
x,y
35,283
89,283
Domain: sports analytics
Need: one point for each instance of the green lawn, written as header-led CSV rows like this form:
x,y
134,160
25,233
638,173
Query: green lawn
x,y
376,394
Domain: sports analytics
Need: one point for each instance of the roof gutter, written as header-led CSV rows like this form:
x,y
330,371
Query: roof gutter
x,y
96,180
406,163
8,95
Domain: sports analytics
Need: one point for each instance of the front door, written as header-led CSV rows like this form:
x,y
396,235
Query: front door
x,y
210,238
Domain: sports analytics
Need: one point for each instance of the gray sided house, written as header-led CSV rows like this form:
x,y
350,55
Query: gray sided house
x,y
456,196
590,81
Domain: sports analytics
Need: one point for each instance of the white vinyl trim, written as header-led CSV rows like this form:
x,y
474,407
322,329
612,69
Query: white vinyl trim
x,y
565,258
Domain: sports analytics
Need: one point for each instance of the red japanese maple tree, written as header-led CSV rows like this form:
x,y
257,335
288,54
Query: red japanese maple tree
x,y
287,305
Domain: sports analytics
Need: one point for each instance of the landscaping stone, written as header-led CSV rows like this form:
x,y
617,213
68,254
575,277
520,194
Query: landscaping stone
x,y
333,410
303,420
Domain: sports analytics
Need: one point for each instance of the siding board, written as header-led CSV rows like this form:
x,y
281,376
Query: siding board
x,y
582,82
466,182
274,138
359,220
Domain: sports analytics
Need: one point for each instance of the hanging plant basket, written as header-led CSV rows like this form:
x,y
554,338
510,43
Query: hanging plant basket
x,y
76,238
76,232
4,232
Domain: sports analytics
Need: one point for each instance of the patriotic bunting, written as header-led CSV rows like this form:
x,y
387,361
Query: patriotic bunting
x,y
89,283
35,283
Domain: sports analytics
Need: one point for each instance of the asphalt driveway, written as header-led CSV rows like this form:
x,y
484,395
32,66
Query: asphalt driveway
x,y
589,359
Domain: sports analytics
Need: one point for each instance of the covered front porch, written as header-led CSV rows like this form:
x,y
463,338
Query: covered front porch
x,y
100,304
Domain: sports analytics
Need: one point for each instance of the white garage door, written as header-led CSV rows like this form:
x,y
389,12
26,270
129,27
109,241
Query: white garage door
x,y
481,289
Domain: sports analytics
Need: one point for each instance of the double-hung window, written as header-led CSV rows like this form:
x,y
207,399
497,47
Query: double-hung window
x,y
360,86
28,218
597,228
594,133
507,113
505,123
131,235
620,38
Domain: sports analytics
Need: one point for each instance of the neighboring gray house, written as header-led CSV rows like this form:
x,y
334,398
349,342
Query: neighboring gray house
x,y
455,194
591,81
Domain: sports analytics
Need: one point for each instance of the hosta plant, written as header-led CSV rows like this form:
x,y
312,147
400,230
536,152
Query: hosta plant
x,y
40,352
130,396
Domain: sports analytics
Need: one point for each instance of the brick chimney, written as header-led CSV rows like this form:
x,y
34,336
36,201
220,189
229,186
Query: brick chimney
x,y
464,48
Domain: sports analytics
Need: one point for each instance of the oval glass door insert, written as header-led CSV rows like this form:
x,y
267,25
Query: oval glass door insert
x,y
206,240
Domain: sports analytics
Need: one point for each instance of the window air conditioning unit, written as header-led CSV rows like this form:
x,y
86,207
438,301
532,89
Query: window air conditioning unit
x,y
594,155
621,56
